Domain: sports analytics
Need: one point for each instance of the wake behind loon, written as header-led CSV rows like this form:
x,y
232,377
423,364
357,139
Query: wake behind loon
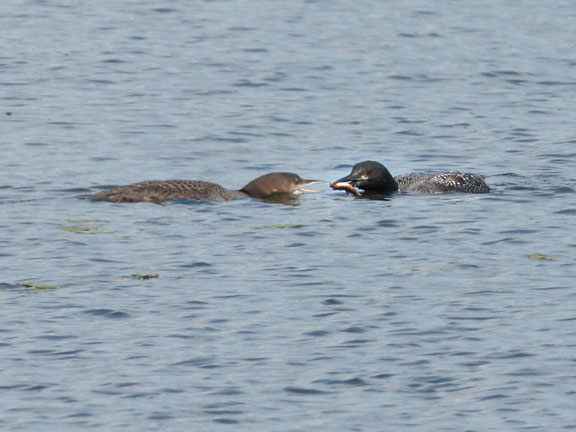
x,y
372,176
158,191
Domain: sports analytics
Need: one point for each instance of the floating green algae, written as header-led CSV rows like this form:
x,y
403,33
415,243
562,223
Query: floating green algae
x,y
86,221
85,226
283,226
74,229
431,269
542,257
36,288
145,276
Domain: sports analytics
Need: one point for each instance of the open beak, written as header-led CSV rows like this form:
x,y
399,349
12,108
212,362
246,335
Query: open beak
x,y
300,189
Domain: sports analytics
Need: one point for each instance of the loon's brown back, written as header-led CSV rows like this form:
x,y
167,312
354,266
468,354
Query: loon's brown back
x,y
157,191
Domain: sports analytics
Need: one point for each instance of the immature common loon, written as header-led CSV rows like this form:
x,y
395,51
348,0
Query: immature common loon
x,y
157,191
374,177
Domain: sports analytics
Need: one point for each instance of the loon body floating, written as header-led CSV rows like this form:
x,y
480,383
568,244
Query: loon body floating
x,y
157,191
373,177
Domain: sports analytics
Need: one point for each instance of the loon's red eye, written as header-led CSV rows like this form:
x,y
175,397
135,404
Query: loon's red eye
x,y
368,172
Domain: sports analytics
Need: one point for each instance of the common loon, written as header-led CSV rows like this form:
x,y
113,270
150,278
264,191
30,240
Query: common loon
x,y
373,177
157,191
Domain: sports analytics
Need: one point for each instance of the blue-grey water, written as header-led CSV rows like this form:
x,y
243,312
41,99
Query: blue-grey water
x,y
424,313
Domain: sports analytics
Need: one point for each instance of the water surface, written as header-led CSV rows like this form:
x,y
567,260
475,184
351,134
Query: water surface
x,y
439,313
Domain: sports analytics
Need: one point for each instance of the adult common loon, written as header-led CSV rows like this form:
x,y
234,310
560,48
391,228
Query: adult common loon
x,y
372,176
157,191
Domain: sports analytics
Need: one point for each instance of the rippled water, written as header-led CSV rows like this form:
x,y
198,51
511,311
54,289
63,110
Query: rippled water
x,y
428,313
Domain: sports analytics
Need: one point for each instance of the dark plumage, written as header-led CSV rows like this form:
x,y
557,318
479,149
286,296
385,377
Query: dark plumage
x,y
157,191
446,182
372,176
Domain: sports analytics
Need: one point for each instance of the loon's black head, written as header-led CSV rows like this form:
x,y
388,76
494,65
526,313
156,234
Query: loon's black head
x,y
278,183
370,176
